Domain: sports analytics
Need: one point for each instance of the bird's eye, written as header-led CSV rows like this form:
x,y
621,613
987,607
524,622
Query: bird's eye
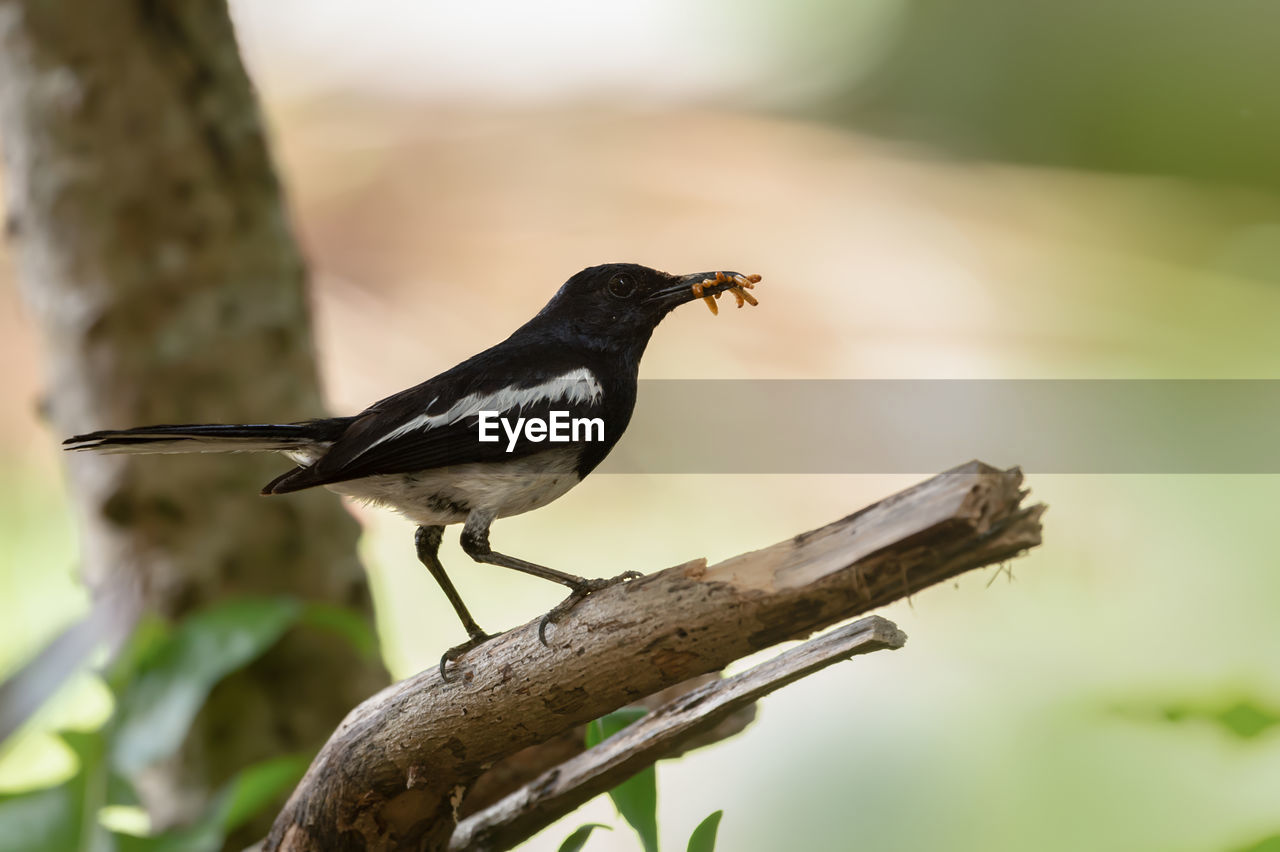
x,y
622,286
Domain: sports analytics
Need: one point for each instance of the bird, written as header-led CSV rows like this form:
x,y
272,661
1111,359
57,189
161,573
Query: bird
x,y
504,432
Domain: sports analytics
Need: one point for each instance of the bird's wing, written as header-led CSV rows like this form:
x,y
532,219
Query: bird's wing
x,y
437,424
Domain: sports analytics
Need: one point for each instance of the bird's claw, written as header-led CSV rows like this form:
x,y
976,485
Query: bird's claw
x,y
577,596
458,650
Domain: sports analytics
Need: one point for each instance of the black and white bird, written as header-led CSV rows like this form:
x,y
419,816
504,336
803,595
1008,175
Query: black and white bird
x,y
466,446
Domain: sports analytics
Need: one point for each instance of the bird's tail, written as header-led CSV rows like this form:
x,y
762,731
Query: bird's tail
x,y
213,438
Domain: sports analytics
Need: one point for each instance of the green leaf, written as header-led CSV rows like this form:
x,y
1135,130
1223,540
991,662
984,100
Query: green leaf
x,y
204,836
1243,718
175,674
41,819
636,798
160,679
1246,720
120,791
346,622
599,730
703,838
574,842
239,799
255,788
143,643
62,818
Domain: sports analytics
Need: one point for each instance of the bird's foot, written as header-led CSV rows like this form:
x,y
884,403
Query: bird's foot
x,y
457,651
577,596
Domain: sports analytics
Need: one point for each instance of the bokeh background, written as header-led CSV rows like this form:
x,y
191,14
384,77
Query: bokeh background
x,y
931,189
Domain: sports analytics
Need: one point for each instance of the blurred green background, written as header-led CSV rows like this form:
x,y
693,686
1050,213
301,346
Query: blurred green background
x,y
933,189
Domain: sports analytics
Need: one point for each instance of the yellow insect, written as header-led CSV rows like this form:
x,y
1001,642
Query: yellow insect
x,y
741,284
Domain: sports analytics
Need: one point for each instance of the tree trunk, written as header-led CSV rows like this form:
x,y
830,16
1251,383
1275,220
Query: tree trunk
x,y
156,254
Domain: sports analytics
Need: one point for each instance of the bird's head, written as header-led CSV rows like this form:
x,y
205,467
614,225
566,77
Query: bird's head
x,y
621,303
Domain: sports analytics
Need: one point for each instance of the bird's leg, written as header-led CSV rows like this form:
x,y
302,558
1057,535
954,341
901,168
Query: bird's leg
x,y
475,542
577,596
427,541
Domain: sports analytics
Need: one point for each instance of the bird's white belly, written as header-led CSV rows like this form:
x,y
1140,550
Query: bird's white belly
x,y
447,495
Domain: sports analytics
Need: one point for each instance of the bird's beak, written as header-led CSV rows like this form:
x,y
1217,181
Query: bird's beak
x,y
681,288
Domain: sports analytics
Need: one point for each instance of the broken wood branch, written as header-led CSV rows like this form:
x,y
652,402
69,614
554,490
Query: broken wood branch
x,y
511,773
393,773
659,734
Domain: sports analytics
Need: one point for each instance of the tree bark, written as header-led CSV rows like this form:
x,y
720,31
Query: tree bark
x,y
393,773
518,770
155,252
660,734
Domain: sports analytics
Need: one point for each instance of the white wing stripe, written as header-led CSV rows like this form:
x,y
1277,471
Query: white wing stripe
x,y
578,385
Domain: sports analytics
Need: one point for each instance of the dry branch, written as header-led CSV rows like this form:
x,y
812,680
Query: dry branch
x,y
394,771
514,772
557,792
